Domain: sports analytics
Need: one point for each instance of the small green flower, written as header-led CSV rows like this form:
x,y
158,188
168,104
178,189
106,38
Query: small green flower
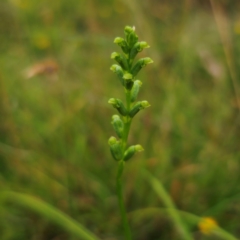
x,y
118,104
131,151
118,125
116,149
131,36
135,89
140,64
122,43
137,107
138,47
121,60
119,71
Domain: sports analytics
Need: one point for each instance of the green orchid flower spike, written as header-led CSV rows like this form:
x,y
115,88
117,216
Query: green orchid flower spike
x,y
126,70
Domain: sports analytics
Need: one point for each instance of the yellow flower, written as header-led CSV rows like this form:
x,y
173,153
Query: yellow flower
x,y
207,225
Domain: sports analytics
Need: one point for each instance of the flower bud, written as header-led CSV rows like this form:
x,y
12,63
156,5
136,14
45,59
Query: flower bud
x,y
138,47
115,148
128,83
131,36
122,43
140,64
118,125
118,70
120,59
127,76
118,104
131,151
128,30
135,89
137,107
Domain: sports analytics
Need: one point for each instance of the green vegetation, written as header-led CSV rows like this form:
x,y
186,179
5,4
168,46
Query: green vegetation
x,y
126,71
56,171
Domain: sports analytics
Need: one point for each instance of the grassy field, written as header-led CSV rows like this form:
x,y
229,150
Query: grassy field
x,y
55,83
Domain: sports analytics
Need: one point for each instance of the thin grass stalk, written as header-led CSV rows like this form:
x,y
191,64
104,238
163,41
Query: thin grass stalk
x,y
164,196
49,212
222,26
190,219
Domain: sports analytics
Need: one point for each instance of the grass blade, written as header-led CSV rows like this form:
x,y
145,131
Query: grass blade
x,y
160,191
191,219
49,212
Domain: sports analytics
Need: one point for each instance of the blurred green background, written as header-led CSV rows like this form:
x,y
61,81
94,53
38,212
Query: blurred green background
x,y
55,121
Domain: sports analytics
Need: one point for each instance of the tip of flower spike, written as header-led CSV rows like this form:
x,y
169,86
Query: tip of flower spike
x,y
129,29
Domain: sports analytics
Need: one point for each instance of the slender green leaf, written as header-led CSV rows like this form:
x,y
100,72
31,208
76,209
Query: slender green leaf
x,y
49,212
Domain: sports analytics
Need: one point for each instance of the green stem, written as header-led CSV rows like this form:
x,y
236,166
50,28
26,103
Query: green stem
x,y
127,125
128,120
126,227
